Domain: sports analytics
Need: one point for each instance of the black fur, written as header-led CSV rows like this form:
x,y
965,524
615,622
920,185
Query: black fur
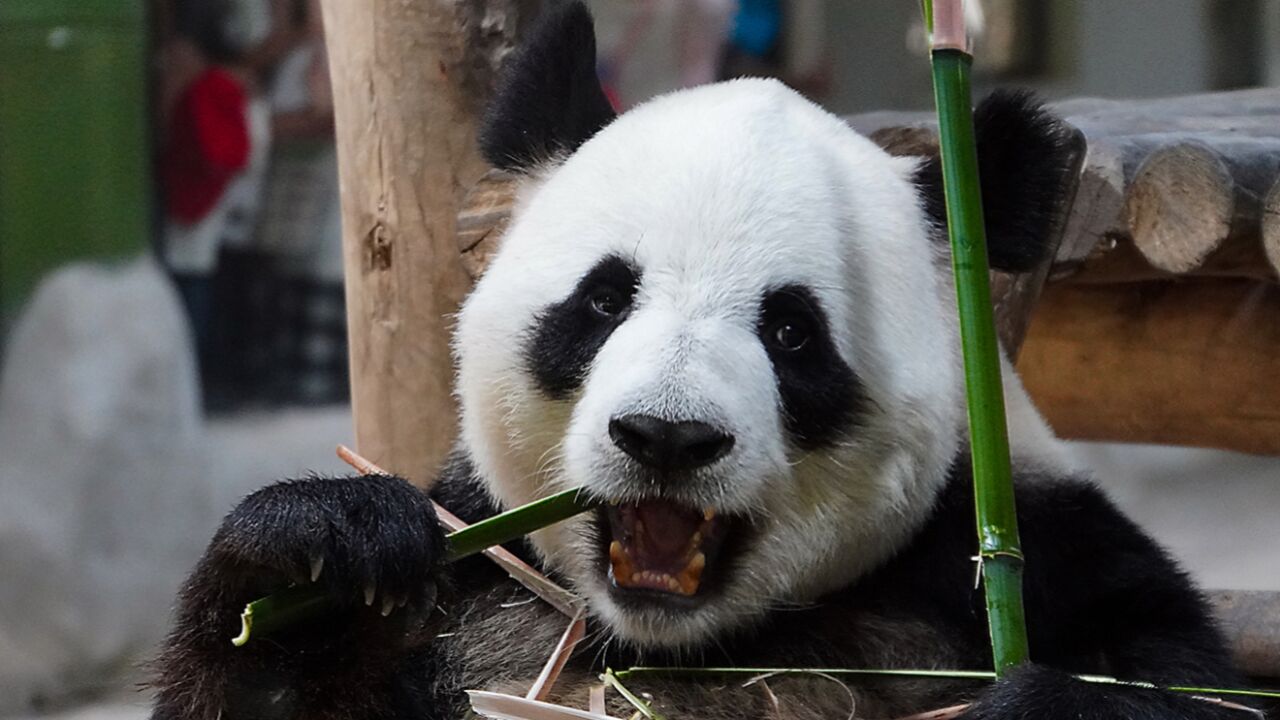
x,y
1043,693
821,396
549,99
459,489
1027,161
1100,596
567,335
371,531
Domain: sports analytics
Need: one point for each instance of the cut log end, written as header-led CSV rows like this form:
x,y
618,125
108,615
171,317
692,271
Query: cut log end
x,y
1180,206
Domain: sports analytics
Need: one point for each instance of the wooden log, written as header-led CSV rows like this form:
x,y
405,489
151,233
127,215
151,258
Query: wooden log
x,y
1180,205
1180,179
1180,197
1271,226
1251,622
1191,362
1115,259
409,79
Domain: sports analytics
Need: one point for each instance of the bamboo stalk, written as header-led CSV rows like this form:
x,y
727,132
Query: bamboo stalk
x,y
516,523
999,548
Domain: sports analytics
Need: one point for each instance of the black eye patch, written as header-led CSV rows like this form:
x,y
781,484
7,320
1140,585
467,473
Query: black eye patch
x,y
566,336
822,398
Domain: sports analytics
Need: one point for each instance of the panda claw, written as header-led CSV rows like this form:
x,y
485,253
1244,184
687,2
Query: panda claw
x,y
317,567
388,604
369,592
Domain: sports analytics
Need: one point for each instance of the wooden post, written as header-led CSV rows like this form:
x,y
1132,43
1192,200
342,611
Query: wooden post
x,y
410,78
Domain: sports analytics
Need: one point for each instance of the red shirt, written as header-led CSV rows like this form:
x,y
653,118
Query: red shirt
x,y
208,144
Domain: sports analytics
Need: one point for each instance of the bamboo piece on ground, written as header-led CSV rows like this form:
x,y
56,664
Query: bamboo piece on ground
x,y
999,548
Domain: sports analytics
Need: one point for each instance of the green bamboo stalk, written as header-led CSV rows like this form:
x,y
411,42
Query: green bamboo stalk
x,y
516,523
999,548
306,602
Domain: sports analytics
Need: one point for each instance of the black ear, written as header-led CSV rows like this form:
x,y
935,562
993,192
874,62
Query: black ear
x,y
549,100
1027,160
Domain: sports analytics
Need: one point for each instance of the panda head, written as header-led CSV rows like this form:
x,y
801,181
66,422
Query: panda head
x,y
726,315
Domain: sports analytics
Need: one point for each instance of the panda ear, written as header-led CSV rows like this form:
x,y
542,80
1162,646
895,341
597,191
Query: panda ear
x,y
1027,161
549,99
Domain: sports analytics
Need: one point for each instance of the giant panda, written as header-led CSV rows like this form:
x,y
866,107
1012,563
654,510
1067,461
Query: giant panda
x,y
729,318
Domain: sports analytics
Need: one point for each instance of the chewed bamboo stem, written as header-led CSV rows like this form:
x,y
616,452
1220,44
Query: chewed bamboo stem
x,y
999,548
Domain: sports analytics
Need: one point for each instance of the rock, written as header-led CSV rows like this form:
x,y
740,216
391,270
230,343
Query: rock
x,y
106,502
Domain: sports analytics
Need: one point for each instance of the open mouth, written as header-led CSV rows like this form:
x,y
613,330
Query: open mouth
x,y
663,547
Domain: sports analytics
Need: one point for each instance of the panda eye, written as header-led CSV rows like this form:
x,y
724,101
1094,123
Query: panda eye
x,y
788,335
607,302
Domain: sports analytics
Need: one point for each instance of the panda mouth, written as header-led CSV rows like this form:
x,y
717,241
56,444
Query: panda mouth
x,y
660,547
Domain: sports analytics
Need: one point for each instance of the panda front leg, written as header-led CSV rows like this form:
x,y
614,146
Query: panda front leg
x,y
1098,587
373,543
1038,692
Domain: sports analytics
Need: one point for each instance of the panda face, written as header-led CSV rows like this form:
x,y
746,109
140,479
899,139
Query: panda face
x,y
722,316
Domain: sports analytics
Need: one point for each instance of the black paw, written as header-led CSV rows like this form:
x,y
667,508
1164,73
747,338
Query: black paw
x,y
372,539
1043,693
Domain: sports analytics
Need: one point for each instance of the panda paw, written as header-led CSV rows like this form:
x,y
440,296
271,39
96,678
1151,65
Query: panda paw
x,y
367,541
372,539
1044,693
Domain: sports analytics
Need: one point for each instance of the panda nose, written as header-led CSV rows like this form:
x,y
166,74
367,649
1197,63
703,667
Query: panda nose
x,y
667,445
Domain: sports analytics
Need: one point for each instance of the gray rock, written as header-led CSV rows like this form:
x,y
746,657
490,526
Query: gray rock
x,y
101,476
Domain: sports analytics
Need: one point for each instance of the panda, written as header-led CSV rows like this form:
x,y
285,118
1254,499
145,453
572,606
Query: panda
x,y
729,318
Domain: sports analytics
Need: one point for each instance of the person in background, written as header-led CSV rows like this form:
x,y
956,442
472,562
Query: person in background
x,y
782,39
301,229
215,140
206,146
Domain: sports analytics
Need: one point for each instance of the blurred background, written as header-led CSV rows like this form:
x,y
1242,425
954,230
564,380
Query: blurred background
x,y
171,304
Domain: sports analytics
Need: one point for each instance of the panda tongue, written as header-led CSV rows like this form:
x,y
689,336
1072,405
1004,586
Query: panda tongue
x,y
664,532
658,545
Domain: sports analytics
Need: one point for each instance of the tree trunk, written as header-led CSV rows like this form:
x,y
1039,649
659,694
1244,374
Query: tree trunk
x,y
410,78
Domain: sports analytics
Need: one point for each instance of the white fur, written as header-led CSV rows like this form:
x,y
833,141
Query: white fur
x,y
718,194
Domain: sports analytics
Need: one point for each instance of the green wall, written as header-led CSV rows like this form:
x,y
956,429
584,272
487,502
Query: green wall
x,y
74,155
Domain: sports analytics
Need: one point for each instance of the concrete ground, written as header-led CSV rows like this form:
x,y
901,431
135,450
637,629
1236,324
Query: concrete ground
x,y
1216,511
